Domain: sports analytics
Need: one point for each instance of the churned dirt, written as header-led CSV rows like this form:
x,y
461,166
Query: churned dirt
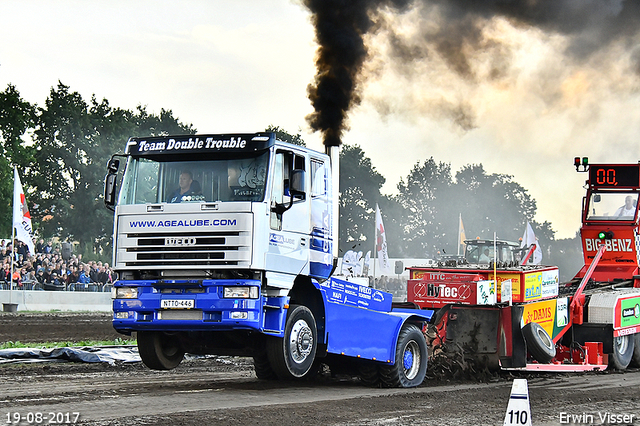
x,y
224,391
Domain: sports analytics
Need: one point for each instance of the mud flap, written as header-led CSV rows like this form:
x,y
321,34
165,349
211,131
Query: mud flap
x,y
513,349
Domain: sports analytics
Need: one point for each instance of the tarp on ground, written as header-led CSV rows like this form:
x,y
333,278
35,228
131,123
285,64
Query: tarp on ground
x,y
108,354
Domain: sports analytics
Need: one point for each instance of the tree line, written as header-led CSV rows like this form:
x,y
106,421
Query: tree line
x,y
422,219
61,149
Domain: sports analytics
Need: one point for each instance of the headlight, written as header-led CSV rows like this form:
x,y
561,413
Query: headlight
x,y
126,292
246,292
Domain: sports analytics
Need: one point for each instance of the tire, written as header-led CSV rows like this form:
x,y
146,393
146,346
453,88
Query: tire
x,y
635,359
410,367
159,351
539,344
263,368
292,357
623,349
369,373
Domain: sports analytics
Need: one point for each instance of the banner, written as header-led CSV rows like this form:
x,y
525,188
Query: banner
x,y
381,244
528,239
21,216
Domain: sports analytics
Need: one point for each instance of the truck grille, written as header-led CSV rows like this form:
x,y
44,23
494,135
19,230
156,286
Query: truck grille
x,y
166,250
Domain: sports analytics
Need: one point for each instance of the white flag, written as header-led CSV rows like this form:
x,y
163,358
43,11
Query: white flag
x,y
530,238
461,236
381,244
21,216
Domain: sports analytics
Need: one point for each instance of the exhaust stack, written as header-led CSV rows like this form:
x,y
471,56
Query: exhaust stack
x,y
334,154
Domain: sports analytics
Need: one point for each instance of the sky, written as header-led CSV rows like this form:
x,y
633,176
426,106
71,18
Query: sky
x,y
522,97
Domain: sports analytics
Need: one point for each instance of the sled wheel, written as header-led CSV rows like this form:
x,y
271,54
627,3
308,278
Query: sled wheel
x,y
292,356
158,350
623,349
539,343
263,368
410,367
635,359
369,373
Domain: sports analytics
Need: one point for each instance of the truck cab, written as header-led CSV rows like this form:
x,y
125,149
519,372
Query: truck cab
x,y
216,232
610,218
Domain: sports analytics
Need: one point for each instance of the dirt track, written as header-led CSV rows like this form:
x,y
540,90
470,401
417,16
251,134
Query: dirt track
x,y
56,327
223,390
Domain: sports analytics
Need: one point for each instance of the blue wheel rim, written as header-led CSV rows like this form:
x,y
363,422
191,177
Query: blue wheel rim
x,y
407,359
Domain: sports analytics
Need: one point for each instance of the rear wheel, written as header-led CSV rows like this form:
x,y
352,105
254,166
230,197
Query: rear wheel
x,y
539,343
159,351
623,349
410,367
292,356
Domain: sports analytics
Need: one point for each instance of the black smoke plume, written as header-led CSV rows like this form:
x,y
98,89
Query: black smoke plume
x,y
453,31
589,25
340,26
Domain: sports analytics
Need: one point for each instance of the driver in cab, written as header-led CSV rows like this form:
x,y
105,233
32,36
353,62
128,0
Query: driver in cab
x,y
185,189
629,208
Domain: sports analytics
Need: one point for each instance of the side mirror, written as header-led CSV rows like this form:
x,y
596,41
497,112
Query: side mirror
x,y
110,183
296,189
110,191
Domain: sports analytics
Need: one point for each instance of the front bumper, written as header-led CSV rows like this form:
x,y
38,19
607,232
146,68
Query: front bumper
x,y
196,305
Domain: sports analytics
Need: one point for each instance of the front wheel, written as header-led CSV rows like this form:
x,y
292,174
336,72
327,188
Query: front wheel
x,y
159,351
410,367
622,352
292,357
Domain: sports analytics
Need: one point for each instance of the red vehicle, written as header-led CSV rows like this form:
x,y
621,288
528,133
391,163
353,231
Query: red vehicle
x,y
515,316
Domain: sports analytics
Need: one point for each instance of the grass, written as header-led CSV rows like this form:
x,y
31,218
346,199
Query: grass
x,y
45,345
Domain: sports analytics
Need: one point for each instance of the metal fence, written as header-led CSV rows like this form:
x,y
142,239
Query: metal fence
x,y
92,287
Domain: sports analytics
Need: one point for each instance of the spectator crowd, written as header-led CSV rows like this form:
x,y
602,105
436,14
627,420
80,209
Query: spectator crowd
x,y
396,286
47,269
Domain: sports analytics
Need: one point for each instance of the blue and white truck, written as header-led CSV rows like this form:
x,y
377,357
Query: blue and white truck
x,y
225,244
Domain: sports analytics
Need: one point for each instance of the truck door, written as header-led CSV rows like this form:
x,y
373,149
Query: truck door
x,y
288,250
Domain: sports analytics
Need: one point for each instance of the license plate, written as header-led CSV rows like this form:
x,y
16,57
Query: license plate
x,y
177,304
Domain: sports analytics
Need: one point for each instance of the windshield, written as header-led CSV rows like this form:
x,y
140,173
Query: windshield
x,y
238,179
483,253
612,206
